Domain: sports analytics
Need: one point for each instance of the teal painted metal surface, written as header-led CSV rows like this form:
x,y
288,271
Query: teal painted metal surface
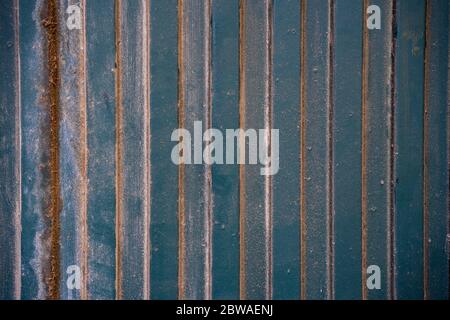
x,y
34,248
347,101
195,180
409,166
87,183
9,152
376,151
72,159
437,159
132,153
101,138
255,102
225,178
315,151
286,114
164,174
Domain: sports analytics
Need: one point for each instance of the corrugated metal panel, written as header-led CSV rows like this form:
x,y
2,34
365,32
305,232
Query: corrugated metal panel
x,y
86,178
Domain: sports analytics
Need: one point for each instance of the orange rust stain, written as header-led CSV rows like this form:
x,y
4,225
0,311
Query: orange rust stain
x,y
83,158
50,23
242,268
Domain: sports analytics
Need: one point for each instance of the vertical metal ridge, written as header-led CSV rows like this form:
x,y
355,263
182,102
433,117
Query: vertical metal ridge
x,y
364,153
51,24
391,194
268,119
331,34
83,157
208,176
18,165
426,212
181,213
302,151
147,139
242,269
119,149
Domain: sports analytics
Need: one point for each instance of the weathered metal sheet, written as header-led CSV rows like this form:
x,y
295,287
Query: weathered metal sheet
x,y
88,185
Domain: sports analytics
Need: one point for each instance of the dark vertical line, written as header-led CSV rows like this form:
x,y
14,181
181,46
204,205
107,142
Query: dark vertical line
x,y
269,180
391,195
147,133
181,214
364,153
83,157
242,268
208,188
302,151
426,213
331,35
119,148
18,165
52,28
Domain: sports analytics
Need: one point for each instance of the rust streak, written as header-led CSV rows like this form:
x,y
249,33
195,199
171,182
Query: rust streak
x,y
119,148
242,267
50,23
181,102
302,152
83,157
